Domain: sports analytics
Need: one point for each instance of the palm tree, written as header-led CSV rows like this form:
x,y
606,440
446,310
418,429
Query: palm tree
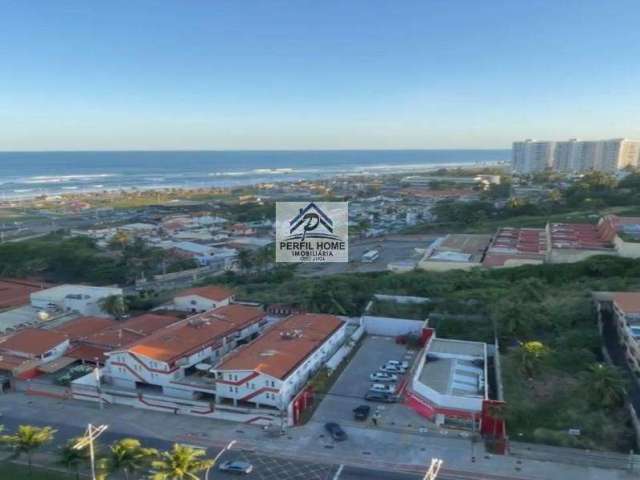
x,y
180,463
606,386
28,439
114,305
72,458
127,456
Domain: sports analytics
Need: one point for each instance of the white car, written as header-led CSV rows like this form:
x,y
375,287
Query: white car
x,y
383,388
403,365
383,377
391,369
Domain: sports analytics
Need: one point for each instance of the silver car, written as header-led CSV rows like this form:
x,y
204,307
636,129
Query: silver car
x,y
236,466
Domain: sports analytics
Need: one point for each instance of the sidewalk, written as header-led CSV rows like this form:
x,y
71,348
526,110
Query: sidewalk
x,y
366,447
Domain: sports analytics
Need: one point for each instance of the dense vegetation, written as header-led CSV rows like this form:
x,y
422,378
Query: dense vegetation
x,y
542,315
582,200
59,258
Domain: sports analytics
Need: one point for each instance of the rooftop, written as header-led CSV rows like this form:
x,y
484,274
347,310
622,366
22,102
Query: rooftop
x,y
628,302
578,236
285,345
15,293
460,248
196,333
212,292
32,341
123,334
83,327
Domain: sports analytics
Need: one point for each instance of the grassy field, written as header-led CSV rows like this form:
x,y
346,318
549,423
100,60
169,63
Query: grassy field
x,y
14,471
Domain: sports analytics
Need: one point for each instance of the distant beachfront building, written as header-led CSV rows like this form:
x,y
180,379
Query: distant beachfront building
x,y
574,156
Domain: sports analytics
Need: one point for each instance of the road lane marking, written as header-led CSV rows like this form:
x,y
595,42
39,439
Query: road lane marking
x,y
338,472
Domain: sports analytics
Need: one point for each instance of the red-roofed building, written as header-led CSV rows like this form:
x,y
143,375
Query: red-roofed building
x,y
573,242
34,343
16,293
623,232
175,360
512,247
271,370
92,346
202,299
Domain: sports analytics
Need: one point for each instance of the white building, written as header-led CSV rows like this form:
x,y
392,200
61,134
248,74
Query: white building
x,y
575,156
272,370
207,254
82,299
449,380
34,343
175,360
201,299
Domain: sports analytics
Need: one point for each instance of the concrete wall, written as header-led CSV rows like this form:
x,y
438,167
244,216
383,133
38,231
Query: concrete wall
x,y
627,249
390,327
196,303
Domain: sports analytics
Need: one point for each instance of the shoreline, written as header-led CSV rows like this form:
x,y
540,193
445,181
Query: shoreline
x,y
221,180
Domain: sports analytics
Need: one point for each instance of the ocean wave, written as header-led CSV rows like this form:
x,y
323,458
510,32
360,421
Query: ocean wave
x,y
44,179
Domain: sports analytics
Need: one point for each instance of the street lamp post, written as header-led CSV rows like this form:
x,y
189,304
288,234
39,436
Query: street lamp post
x,y
88,439
434,468
217,457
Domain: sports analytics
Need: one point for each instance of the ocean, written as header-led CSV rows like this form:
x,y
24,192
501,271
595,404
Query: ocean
x,y
28,174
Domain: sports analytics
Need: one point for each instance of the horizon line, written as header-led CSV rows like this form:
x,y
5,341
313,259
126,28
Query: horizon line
x,y
206,150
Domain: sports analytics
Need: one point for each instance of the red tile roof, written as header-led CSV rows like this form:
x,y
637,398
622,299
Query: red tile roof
x,y
285,345
124,333
15,293
32,341
628,302
82,327
212,292
578,236
197,332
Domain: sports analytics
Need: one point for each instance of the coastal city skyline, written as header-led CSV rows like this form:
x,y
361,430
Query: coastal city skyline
x,y
375,75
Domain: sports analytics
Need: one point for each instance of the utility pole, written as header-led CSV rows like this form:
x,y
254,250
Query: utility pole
x,y
90,436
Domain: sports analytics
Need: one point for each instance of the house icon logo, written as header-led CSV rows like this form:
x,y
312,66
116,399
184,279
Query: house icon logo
x,y
311,222
312,232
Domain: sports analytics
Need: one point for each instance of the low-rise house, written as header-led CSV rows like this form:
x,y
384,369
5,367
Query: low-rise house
x,y
272,370
201,299
36,344
512,247
175,360
573,242
624,232
626,317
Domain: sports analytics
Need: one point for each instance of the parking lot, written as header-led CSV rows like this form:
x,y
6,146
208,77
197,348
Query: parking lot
x,y
270,468
350,388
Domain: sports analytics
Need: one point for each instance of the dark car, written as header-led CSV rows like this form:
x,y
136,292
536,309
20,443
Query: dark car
x,y
384,397
236,466
335,431
361,412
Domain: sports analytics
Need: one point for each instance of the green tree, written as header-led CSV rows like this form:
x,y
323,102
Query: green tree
x,y
532,354
114,305
245,260
27,440
72,458
180,463
606,387
127,456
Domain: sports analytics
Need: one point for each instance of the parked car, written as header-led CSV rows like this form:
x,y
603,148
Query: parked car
x,y
391,369
400,364
381,397
236,466
335,431
361,412
383,377
382,387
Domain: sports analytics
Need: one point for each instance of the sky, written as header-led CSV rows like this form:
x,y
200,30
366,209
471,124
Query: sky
x,y
310,74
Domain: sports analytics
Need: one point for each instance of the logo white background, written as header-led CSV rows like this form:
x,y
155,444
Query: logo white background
x,y
312,232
